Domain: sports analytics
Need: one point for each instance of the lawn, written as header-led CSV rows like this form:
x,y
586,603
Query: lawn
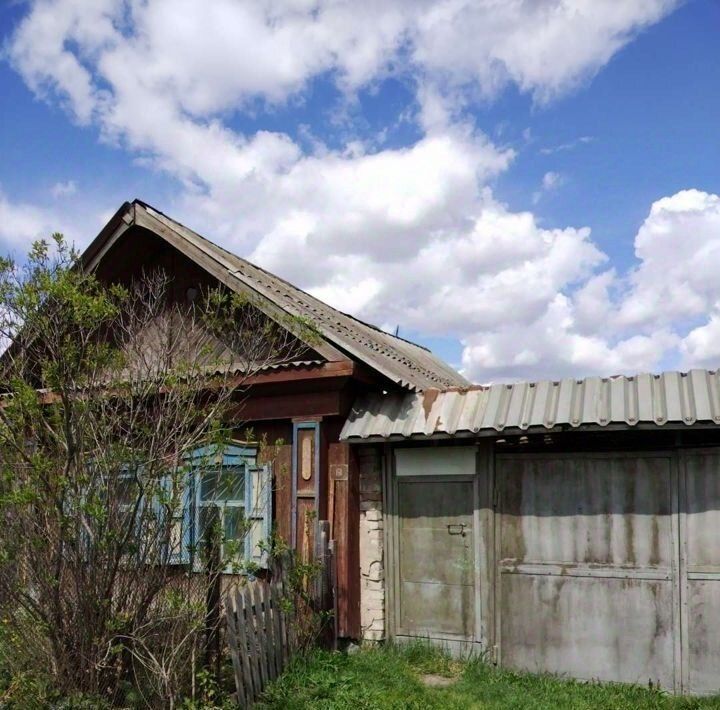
x,y
392,677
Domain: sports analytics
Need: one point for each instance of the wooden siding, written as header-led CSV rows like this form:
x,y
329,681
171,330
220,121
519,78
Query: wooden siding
x,y
268,405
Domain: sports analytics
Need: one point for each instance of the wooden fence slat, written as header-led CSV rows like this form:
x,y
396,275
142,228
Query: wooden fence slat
x,y
284,645
269,631
260,622
252,641
231,615
277,629
242,643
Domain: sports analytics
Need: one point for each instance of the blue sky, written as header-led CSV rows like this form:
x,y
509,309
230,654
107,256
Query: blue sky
x,y
531,191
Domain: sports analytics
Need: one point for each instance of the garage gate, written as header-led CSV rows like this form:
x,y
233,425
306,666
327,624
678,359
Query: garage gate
x,y
595,565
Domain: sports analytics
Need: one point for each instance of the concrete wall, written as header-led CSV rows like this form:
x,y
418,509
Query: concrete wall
x,y
372,558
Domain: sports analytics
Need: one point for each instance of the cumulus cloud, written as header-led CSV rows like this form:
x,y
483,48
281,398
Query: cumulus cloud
x,y
410,235
209,57
664,311
22,222
63,189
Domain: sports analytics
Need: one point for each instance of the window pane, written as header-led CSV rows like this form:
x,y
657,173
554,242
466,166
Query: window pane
x,y
228,484
208,518
127,491
232,484
234,527
208,485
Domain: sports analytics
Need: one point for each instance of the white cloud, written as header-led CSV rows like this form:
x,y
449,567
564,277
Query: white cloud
x,y
570,145
551,181
210,57
408,235
678,247
63,189
21,223
665,310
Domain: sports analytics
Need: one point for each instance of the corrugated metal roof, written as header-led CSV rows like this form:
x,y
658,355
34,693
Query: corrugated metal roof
x,y
403,362
672,397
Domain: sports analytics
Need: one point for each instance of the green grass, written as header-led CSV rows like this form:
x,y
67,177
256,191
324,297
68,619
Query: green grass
x,y
389,677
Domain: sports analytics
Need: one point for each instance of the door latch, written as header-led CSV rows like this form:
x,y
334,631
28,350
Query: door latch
x,y
456,529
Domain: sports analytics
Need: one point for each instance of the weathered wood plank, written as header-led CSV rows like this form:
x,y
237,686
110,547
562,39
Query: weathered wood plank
x,y
276,632
231,616
248,688
260,630
252,640
269,638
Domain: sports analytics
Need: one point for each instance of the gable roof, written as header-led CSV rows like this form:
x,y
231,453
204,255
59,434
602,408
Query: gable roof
x,y
405,363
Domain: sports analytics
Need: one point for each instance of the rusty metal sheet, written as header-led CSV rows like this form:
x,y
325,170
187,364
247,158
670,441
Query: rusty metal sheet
x,y
672,397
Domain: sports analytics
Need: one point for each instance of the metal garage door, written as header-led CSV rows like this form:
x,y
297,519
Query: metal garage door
x,y
587,578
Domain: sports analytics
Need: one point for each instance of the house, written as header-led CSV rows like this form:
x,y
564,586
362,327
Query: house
x,y
569,527
303,402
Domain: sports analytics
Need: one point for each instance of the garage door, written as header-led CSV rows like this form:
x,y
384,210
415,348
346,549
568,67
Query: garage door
x,y
587,580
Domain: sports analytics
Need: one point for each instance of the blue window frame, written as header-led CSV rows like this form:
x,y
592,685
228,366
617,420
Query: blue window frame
x,y
231,488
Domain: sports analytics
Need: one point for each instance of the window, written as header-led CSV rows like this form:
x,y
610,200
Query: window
x,y
224,488
232,492
127,490
221,502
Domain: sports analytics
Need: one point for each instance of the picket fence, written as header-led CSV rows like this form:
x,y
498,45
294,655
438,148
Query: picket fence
x,y
260,623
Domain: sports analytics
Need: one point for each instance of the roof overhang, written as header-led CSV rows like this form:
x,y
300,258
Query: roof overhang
x,y
672,399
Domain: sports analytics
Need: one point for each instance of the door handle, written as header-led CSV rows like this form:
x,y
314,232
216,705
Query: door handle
x,y
456,529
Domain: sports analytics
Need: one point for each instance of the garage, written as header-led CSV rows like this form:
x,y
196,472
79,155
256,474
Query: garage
x,y
589,550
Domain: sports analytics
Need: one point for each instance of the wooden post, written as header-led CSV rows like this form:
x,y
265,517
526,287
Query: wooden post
x,y
343,475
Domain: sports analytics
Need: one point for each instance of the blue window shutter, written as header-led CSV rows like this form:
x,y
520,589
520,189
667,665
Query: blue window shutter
x,y
258,491
181,534
183,555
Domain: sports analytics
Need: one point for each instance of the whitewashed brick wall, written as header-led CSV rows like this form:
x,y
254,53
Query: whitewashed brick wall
x,y
372,569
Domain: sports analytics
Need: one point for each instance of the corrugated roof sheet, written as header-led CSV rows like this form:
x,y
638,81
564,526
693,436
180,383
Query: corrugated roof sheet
x,y
672,397
403,362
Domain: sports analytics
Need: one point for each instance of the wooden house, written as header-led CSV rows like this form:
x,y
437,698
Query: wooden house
x,y
302,403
